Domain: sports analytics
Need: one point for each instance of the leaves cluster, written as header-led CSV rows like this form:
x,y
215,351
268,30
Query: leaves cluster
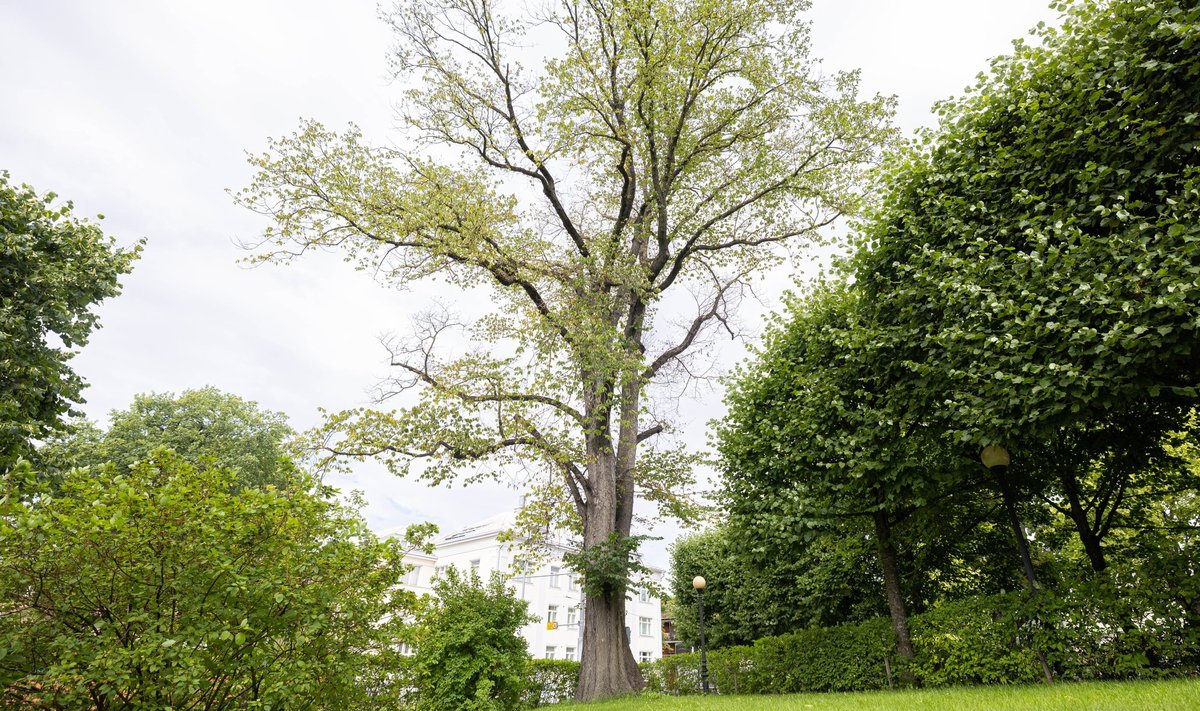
x,y
1037,260
54,269
206,425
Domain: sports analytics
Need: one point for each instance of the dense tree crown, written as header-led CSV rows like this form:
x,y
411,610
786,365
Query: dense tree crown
x,y
665,148
54,269
1037,260
202,426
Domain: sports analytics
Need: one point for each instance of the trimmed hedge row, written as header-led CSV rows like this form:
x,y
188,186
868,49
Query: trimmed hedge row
x,y
1097,634
550,681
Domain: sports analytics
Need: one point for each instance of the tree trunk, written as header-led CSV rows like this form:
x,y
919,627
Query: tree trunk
x,y
891,584
607,667
1088,537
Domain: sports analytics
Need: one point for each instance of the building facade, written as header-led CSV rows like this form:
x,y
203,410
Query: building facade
x,y
551,589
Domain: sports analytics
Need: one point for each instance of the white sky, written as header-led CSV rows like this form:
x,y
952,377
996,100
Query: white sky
x,y
142,110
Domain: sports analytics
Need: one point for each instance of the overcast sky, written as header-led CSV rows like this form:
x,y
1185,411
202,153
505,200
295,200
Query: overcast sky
x,y
143,110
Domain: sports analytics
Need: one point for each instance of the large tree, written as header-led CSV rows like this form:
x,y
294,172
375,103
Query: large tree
x,y
665,147
1031,280
54,269
808,438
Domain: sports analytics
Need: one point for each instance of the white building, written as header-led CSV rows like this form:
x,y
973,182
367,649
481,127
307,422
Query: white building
x,y
552,591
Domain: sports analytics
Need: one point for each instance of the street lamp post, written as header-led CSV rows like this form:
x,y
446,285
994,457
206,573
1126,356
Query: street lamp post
x,y
698,583
996,459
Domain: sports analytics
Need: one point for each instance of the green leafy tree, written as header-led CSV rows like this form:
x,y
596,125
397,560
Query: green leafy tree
x,y
1030,280
807,439
170,586
1101,476
669,148
206,424
469,651
54,269
1034,266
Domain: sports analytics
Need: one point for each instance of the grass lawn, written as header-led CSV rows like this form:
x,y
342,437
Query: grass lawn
x,y
1178,695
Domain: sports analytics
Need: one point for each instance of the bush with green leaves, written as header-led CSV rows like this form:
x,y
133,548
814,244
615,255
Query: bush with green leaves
x,y
1098,631
550,681
171,586
469,652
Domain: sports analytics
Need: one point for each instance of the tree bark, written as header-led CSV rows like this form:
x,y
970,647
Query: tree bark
x,y
607,667
891,584
1010,506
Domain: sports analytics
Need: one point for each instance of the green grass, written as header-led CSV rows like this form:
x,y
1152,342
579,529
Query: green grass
x,y
1176,695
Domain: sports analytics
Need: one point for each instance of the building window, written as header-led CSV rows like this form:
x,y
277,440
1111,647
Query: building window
x,y
413,576
475,566
644,595
406,649
572,614
569,655
572,582
554,571
552,613
550,652
644,626
437,572
645,657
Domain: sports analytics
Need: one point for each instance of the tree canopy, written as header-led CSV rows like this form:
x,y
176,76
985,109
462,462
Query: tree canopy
x,y
1037,259
54,269
201,426
666,148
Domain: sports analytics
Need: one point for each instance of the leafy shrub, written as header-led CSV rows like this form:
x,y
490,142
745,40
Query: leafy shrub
x,y
974,641
469,654
171,586
842,658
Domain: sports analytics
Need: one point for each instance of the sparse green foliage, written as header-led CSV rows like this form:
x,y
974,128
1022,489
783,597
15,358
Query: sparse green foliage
x,y
608,568
165,585
54,269
469,653
670,146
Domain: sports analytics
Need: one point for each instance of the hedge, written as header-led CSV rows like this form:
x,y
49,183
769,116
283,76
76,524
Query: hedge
x,y
1097,633
550,681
